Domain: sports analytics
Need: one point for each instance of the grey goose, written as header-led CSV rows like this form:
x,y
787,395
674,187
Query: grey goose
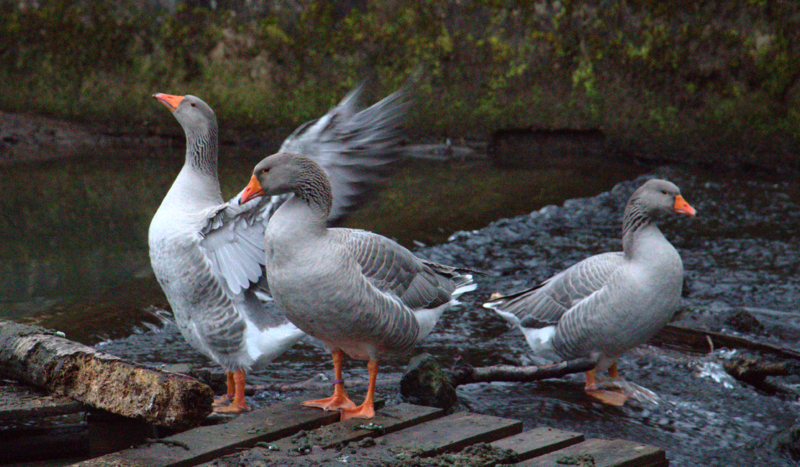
x,y
358,292
208,254
609,303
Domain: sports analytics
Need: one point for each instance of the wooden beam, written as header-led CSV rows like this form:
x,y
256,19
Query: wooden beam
x,y
36,356
207,443
452,433
538,442
603,453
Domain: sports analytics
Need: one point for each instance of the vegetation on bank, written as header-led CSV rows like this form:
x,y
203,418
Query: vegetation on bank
x,y
701,76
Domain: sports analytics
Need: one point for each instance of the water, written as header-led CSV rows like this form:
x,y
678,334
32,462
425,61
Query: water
x,y
740,254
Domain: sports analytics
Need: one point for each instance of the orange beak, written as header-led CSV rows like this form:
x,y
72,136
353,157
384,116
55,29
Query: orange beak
x,y
252,190
170,101
682,207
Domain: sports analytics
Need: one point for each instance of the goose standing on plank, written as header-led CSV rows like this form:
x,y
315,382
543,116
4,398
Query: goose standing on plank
x,y
358,292
607,304
208,255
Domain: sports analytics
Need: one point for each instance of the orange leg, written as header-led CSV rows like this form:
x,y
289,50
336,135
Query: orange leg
x,y
225,399
604,396
339,399
238,404
612,371
367,408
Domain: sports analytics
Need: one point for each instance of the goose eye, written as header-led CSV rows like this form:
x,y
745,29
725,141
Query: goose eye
x,y
263,171
193,104
665,192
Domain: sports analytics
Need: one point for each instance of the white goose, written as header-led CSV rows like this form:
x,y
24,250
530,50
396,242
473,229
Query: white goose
x,y
358,292
208,255
607,304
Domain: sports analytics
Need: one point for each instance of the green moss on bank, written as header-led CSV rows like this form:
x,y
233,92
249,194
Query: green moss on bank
x,y
713,76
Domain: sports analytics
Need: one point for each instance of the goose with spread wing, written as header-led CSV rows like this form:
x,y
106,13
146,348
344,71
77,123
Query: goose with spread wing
x,y
360,293
208,255
607,304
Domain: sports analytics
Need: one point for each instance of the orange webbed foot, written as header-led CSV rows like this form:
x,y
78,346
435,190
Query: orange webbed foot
x,y
223,400
608,397
362,411
232,408
335,402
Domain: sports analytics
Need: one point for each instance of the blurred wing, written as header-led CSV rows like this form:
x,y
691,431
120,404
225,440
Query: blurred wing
x,y
233,241
545,304
354,147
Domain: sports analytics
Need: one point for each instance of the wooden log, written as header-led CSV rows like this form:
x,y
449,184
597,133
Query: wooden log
x,y
39,357
467,374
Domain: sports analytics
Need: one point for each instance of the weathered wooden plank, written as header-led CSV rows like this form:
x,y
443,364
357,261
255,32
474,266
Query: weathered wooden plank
x,y
206,443
538,441
20,402
36,356
36,426
386,420
604,453
44,438
452,433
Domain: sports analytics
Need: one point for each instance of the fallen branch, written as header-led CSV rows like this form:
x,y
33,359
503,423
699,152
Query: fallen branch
x,y
42,358
467,374
699,341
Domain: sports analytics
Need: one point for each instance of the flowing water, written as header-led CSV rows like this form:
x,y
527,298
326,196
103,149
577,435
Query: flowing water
x,y
73,257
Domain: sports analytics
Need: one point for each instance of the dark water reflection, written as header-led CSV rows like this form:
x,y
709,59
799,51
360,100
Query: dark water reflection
x,y
742,252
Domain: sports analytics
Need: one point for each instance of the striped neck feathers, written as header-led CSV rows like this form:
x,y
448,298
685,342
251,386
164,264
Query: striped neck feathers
x,y
636,219
313,187
201,149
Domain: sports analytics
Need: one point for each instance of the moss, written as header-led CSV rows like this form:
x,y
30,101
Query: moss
x,y
640,70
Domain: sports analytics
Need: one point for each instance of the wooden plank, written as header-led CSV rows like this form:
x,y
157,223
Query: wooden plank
x,y
324,439
538,442
206,443
387,420
44,438
20,402
452,433
604,453
35,426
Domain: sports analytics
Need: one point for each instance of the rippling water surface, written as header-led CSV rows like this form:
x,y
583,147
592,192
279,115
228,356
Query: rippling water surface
x,y
741,253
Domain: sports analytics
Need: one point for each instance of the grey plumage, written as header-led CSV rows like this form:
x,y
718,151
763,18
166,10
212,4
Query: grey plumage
x,y
611,302
208,255
354,290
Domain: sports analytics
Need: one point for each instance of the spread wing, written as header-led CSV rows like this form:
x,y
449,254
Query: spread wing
x,y
354,147
545,304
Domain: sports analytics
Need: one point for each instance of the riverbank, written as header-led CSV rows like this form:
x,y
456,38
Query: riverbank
x,y
716,84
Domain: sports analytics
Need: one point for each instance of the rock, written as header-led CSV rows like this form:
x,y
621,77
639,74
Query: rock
x,y
424,383
787,442
744,322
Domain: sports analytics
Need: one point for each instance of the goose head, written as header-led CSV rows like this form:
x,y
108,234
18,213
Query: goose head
x,y
194,115
661,196
287,172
